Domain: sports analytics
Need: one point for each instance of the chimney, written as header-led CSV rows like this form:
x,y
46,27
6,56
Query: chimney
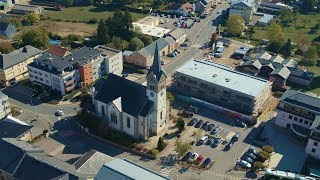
x,y
24,49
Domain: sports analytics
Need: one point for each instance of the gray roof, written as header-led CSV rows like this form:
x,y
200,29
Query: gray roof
x,y
11,127
125,169
133,95
283,72
162,43
316,124
18,56
127,53
156,68
26,8
248,3
91,162
301,99
177,33
301,74
4,26
80,56
4,16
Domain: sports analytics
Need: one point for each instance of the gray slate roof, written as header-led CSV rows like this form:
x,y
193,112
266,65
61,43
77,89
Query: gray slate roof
x,y
79,56
301,99
248,3
156,68
177,33
18,56
133,95
301,74
162,43
283,72
11,129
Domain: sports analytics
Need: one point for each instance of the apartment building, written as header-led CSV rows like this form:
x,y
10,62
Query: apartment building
x,y
65,73
245,8
5,109
113,60
300,113
220,85
13,66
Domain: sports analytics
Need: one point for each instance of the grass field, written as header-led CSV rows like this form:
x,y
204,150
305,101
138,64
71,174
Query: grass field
x,y
303,26
85,14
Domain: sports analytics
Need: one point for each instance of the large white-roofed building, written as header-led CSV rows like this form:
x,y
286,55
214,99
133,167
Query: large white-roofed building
x,y
220,85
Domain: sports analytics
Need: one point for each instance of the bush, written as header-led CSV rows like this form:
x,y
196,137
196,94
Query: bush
x,y
45,131
264,155
155,152
74,21
161,144
180,124
258,166
268,149
93,21
59,19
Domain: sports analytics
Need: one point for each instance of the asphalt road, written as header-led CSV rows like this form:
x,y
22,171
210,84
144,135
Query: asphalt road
x,y
199,35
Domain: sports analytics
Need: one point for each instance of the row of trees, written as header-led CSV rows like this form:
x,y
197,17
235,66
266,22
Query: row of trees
x,y
124,36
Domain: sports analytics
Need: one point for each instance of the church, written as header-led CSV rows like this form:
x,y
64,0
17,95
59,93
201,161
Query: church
x,y
135,109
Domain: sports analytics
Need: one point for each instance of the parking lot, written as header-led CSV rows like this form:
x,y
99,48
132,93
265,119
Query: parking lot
x,y
224,160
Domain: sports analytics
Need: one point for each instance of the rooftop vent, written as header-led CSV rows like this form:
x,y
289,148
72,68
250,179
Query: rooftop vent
x,y
215,75
50,59
24,49
227,79
71,59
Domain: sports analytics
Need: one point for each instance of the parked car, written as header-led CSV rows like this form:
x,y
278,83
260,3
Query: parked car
x,y
194,109
59,112
163,63
241,123
243,163
209,141
199,159
228,146
253,151
171,55
125,75
206,162
216,142
194,156
215,130
247,158
210,127
204,126
187,156
193,121
218,53
252,156
203,140
199,123
184,45
235,137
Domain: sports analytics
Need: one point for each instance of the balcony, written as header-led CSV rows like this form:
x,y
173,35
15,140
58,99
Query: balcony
x,y
70,88
67,83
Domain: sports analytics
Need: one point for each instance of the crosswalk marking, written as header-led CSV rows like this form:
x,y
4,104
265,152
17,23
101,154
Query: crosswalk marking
x,y
165,171
225,176
197,45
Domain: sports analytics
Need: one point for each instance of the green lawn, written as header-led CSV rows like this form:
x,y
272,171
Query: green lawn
x,y
85,14
303,25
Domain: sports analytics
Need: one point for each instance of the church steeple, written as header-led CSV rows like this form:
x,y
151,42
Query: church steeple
x,y
156,68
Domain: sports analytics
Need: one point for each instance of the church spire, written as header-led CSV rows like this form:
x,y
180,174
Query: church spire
x,y
156,68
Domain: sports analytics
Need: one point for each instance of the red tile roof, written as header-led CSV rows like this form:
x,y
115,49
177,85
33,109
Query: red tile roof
x,y
58,51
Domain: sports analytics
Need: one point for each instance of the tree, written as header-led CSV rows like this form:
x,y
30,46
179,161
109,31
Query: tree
x,y
302,42
120,25
267,148
276,33
88,2
250,31
235,25
70,38
264,155
102,33
180,124
36,37
6,47
32,18
68,3
135,44
86,101
274,47
182,147
286,17
170,97
257,166
309,5
317,45
286,49
118,43
198,133
310,56
213,39
161,144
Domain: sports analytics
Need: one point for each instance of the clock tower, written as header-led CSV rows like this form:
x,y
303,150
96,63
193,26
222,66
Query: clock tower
x,y
156,92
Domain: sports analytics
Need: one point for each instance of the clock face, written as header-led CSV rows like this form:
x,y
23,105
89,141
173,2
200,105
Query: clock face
x,y
151,94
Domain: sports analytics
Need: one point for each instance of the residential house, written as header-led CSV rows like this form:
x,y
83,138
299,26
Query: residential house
x,y
273,8
137,110
25,9
221,86
300,113
179,35
113,60
5,108
127,170
203,6
7,29
185,9
265,20
245,8
12,127
13,66
65,73
276,69
144,56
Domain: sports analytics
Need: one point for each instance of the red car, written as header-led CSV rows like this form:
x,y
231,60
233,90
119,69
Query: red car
x,y
199,159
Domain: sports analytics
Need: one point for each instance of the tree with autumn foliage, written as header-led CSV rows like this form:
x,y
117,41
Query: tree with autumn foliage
x,y
213,39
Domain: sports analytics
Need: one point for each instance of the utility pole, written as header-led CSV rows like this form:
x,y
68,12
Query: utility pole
x,y
34,117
